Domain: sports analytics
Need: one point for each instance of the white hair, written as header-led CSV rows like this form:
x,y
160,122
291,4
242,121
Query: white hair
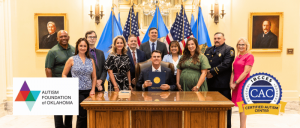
x,y
51,22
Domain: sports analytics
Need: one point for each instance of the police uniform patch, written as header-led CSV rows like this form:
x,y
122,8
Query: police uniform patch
x,y
231,53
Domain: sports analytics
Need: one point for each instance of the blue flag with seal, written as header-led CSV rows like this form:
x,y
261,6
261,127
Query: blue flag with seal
x,y
111,30
157,22
200,31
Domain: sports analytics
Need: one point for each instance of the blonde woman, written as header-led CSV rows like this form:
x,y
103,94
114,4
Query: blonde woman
x,y
241,72
117,66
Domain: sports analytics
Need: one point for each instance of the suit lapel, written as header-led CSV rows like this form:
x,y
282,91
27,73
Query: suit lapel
x,y
148,47
138,55
130,56
163,69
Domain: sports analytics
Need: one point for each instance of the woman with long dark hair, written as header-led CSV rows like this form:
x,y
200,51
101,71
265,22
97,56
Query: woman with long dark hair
x,y
83,68
192,68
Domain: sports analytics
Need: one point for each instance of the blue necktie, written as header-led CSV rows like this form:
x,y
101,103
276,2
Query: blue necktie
x,y
156,70
153,47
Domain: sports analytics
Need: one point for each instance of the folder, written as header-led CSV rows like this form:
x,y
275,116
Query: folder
x,y
157,79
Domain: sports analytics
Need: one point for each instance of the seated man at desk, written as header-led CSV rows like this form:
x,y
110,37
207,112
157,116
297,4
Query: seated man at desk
x,y
144,82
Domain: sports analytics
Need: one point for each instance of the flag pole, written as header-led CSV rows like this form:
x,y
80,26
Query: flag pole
x,y
182,21
130,19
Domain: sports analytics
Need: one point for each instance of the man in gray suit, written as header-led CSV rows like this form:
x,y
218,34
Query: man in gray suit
x,y
153,44
99,59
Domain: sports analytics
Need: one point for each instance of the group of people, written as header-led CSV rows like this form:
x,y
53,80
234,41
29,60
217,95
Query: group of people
x,y
216,70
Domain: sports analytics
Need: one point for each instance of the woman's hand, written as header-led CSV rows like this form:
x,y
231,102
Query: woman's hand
x,y
92,92
232,86
116,88
195,88
179,87
130,88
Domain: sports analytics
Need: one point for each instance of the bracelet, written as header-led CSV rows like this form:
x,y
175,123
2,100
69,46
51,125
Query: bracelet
x,y
116,87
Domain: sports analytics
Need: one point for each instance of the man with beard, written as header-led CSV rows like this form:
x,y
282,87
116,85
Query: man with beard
x,y
220,57
55,63
49,40
267,39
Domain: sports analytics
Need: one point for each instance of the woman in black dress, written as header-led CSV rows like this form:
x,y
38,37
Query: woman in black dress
x,y
117,66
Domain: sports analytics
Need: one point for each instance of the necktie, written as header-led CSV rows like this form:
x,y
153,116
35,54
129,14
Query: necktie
x,y
134,59
94,55
153,47
156,70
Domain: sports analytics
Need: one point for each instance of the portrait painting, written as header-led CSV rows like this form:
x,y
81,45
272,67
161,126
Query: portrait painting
x,y
265,32
47,26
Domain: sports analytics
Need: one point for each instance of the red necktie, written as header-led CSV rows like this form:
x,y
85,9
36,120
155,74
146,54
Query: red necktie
x,y
134,59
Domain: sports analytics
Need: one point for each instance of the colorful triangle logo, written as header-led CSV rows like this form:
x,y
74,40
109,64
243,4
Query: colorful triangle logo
x,y
28,96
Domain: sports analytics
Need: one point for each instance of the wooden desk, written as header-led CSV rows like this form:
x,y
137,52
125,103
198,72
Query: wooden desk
x,y
157,110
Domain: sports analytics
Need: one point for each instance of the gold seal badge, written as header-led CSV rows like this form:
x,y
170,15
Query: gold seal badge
x,y
156,80
231,53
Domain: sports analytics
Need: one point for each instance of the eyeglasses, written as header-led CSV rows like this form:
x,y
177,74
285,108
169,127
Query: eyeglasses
x,y
241,45
92,37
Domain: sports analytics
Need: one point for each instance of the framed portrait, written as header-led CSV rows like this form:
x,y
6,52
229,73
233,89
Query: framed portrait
x,y
265,31
46,27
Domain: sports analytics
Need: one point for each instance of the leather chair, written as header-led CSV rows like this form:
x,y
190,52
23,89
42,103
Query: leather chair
x,y
143,65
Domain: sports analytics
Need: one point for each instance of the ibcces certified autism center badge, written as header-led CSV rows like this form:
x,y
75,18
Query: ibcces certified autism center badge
x,y
261,95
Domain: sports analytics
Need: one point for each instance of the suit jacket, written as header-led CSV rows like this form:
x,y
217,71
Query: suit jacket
x,y
266,41
145,76
221,65
160,46
141,57
48,41
100,70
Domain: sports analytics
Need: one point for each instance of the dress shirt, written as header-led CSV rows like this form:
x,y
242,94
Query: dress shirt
x,y
155,45
136,57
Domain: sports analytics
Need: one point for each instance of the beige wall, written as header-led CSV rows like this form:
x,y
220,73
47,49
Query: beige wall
x,y
27,63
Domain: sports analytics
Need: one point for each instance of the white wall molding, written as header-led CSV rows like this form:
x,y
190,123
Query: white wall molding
x,y
2,54
8,49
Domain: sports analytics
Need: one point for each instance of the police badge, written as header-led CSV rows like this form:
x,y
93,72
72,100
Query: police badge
x,y
231,53
219,54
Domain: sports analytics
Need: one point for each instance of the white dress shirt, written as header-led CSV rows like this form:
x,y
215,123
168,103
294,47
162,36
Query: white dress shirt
x,y
135,55
155,44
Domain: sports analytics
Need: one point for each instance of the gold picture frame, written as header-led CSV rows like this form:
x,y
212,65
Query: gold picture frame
x,y
45,40
262,40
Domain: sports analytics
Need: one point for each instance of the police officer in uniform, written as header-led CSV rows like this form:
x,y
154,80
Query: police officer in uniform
x,y
220,57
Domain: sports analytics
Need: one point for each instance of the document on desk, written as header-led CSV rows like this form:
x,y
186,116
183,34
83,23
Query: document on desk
x,y
157,79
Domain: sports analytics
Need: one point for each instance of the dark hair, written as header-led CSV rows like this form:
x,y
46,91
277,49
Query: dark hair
x,y
219,33
177,44
267,21
157,51
152,29
87,53
131,35
89,32
187,54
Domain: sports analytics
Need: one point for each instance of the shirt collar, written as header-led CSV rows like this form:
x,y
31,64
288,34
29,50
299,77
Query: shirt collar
x,y
153,42
154,70
131,50
92,49
62,47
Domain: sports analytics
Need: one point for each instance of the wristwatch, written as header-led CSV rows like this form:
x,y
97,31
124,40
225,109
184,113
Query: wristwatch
x,y
235,82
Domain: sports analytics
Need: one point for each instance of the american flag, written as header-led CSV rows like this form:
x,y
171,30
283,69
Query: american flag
x,y
134,26
176,31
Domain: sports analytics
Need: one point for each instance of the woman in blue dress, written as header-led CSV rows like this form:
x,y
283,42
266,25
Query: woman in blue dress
x,y
83,68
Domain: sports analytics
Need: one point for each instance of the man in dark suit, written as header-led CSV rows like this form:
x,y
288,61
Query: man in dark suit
x,y
153,44
135,55
267,39
221,57
49,40
99,59
144,82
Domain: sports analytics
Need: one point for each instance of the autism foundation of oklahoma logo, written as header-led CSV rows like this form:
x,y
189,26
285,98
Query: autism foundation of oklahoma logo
x,y
27,96
261,95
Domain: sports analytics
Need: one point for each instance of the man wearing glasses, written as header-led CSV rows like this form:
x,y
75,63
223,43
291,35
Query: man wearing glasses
x,y
99,59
